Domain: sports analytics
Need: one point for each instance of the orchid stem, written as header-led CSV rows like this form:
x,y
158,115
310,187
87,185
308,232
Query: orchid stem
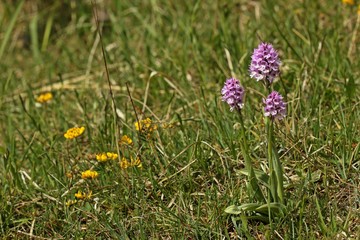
x,y
250,171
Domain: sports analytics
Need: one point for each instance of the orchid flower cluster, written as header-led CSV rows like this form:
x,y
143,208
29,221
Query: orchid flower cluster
x,y
264,67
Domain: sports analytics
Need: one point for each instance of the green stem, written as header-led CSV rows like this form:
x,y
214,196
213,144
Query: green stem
x,y
251,173
273,178
279,174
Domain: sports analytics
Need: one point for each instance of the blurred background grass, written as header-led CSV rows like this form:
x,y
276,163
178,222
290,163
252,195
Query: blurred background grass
x,y
175,56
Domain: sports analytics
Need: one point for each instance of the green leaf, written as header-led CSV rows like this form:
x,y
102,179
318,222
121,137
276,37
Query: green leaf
x,y
322,224
276,208
261,218
249,206
260,175
233,210
244,226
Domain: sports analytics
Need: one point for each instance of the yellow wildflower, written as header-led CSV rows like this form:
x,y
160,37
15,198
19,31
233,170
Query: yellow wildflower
x,y
103,157
81,195
136,162
89,174
74,132
112,156
45,97
349,2
145,125
133,163
124,163
70,202
125,140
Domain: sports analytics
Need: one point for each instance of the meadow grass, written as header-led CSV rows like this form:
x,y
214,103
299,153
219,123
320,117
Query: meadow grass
x,y
167,61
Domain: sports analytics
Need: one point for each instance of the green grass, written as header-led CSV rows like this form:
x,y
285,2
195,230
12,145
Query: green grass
x,y
172,55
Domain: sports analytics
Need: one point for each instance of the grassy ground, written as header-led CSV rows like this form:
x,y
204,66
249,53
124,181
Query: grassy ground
x,y
174,56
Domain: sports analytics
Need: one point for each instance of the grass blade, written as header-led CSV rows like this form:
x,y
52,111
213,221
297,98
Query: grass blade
x,y
10,28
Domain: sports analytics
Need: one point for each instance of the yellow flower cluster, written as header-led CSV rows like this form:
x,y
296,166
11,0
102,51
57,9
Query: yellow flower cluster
x,y
81,195
45,97
167,125
74,132
71,202
125,140
89,174
145,125
103,157
352,2
133,163
349,2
